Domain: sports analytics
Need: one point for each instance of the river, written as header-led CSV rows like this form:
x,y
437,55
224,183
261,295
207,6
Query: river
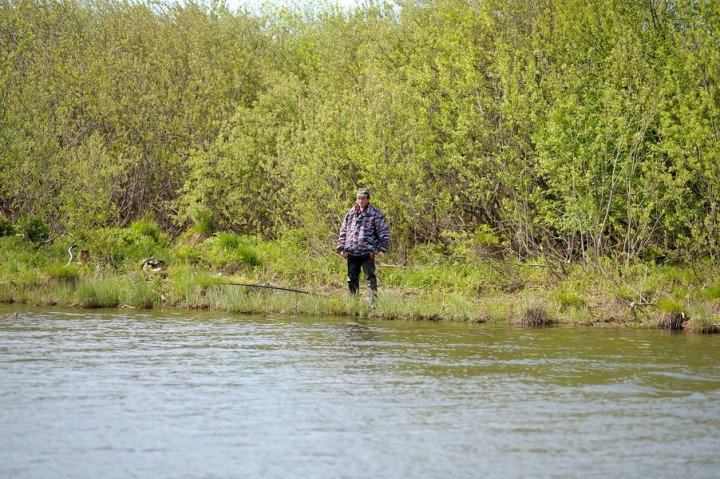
x,y
164,394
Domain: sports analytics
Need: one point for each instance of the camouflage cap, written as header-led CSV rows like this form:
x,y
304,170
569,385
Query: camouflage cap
x,y
363,192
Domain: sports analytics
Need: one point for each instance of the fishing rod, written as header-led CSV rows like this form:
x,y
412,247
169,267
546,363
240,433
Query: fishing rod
x,y
265,286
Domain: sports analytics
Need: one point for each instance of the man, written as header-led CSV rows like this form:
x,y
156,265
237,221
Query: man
x,y
364,233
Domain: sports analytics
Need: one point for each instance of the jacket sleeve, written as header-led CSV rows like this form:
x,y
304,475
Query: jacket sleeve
x,y
343,234
383,233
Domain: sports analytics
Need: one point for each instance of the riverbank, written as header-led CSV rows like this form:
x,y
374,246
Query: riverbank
x,y
139,267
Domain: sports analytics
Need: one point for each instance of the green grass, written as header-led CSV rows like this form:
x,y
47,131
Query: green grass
x,y
434,286
146,228
493,310
704,318
710,292
98,293
670,305
139,292
570,300
68,274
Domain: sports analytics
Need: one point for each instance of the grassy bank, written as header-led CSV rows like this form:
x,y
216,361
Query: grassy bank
x,y
213,271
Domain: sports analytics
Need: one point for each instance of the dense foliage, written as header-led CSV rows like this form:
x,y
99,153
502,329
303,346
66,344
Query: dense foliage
x,y
571,129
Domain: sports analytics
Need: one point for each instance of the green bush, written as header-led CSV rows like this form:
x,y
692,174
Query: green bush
x,y
35,230
6,228
483,243
126,246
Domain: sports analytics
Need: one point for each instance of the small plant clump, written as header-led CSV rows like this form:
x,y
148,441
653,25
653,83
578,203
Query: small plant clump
x,y
672,315
536,315
68,273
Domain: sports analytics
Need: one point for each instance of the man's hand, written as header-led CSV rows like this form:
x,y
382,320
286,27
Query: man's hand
x,y
372,255
343,253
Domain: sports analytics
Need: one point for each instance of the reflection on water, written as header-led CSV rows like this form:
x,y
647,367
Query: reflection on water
x,y
199,395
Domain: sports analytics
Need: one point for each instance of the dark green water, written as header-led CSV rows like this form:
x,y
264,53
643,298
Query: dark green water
x,y
126,394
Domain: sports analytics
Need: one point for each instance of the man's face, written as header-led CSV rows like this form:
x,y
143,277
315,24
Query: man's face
x,y
362,201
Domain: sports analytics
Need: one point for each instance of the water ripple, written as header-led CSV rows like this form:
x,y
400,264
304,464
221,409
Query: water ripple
x,y
203,395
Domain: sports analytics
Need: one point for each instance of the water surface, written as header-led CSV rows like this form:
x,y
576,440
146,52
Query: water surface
x,y
123,394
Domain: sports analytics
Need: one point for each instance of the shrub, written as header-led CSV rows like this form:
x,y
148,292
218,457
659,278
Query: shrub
x,y
124,246
6,228
35,230
483,243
